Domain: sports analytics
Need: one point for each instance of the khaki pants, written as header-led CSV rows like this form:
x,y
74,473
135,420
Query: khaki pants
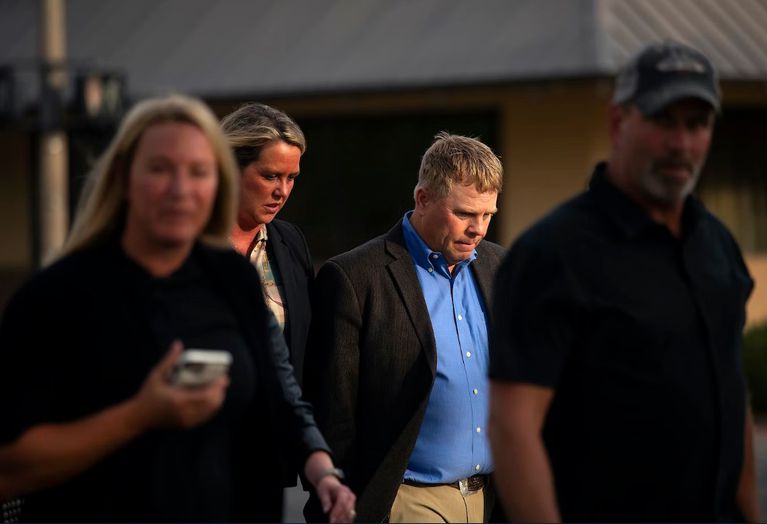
x,y
437,504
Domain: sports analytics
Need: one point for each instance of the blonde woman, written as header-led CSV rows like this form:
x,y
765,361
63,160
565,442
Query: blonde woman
x,y
93,429
268,146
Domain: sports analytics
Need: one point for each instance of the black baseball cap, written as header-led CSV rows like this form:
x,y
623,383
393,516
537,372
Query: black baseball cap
x,y
663,73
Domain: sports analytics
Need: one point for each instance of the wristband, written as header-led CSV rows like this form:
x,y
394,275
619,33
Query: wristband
x,y
336,472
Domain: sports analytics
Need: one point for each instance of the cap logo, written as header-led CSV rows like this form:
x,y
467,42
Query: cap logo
x,y
679,62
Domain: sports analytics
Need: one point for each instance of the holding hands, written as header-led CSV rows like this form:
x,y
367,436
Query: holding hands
x,y
336,498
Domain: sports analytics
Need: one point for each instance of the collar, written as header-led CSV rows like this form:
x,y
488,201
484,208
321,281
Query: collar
x,y
139,277
261,235
626,214
424,256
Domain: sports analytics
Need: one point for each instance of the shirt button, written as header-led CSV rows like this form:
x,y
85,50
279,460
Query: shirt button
x,y
430,270
468,354
479,430
475,391
460,317
477,467
435,257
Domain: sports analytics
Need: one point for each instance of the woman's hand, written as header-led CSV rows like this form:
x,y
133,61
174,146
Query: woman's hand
x,y
336,498
160,404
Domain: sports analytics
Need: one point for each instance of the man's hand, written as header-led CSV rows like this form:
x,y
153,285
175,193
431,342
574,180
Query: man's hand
x,y
747,496
523,476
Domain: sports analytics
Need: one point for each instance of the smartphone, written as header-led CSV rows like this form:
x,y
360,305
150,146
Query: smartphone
x,y
199,367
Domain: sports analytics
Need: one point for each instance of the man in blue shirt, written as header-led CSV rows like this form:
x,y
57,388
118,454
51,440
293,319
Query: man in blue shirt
x,y
397,363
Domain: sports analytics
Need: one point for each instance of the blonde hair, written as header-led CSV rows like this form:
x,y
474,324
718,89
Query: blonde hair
x,y
103,205
251,127
459,159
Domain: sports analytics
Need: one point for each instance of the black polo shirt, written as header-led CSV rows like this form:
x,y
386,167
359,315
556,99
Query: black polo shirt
x,y
639,334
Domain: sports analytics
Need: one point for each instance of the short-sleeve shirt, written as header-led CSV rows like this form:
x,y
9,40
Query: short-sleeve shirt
x,y
639,334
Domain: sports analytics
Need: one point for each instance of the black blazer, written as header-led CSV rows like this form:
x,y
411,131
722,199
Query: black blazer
x,y
287,249
373,359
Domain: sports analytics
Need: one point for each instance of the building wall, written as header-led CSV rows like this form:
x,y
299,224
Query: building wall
x,y
15,211
15,198
757,305
552,138
552,134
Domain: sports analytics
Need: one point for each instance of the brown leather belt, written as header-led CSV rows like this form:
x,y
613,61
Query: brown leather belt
x,y
469,485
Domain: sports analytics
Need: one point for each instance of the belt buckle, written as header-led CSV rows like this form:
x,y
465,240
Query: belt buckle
x,y
463,487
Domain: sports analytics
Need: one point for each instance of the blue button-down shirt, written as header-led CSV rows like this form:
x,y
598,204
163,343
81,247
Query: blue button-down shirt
x,y
452,443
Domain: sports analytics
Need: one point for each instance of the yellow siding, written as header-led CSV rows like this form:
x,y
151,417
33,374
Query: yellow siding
x,y
551,140
551,134
15,199
757,306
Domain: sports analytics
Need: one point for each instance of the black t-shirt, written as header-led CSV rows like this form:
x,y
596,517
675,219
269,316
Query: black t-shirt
x,y
639,334
81,337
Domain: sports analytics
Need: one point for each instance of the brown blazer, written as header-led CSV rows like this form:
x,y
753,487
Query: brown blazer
x,y
371,362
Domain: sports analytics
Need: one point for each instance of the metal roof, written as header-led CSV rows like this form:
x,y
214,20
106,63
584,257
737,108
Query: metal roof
x,y
230,48
732,33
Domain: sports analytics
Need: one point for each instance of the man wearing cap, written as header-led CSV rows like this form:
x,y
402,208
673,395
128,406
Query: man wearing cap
x,y
617,388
